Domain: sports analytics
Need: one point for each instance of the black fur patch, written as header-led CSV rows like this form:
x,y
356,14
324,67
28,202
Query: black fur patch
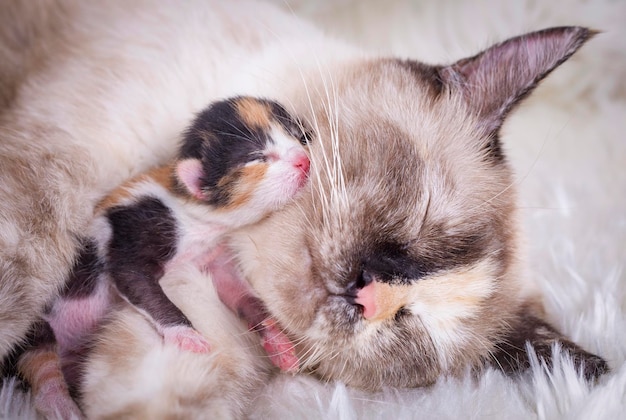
x,y
396,263
143,240
83,277
391,263
296,128
223,142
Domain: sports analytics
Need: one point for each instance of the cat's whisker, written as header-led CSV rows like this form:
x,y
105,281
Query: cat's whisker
x,y
315,165
335,130
332,166
332,111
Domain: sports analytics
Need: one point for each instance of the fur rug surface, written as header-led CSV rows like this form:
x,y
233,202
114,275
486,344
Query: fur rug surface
x,y
567,144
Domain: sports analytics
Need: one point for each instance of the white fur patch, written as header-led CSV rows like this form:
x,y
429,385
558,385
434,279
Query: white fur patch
x,y
444,301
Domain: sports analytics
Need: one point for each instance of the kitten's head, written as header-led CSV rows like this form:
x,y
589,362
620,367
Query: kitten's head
x,y
244,156
398,262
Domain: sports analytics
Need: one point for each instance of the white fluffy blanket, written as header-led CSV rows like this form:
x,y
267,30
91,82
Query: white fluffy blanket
x,y
568,147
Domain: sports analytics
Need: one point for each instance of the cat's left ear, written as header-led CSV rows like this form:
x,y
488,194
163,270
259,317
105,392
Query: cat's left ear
x,y
497,79
189,173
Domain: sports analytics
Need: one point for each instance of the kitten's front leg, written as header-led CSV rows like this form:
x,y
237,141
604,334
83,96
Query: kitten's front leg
x,y
237,295
185,338
146,294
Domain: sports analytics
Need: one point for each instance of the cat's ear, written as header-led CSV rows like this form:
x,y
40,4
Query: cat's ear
x,y
189,173
511,354
497,79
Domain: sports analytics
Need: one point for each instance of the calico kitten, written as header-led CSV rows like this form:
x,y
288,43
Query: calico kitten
x,y
240,160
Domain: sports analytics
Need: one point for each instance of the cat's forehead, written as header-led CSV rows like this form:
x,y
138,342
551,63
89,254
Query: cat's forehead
x,y
402,179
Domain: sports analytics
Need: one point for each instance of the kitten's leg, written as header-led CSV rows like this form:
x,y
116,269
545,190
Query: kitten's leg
x,y
72,317
83,302
236,294
148,296
185,337
40,366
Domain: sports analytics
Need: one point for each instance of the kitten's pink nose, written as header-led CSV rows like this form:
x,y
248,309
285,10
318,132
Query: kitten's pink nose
x,y
302,162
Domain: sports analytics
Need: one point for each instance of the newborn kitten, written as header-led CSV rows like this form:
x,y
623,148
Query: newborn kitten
x,y
244,158
240,160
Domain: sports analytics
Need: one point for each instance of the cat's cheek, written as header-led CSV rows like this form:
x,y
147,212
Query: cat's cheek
x,y
294,295
448,303
277,264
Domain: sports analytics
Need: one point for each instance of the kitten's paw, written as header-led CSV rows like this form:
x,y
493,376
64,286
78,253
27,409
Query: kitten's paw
x,y
186,338
279,348
52,400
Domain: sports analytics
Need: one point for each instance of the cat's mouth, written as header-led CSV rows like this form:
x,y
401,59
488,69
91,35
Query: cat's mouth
x,y
351,296
345,309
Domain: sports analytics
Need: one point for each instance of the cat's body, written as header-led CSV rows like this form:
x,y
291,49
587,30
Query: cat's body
x,y
398,263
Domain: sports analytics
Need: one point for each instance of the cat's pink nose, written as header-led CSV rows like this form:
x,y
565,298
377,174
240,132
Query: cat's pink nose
x,y
366,297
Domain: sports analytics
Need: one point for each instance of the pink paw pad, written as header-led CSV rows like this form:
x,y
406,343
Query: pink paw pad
x,y
186,338
279,348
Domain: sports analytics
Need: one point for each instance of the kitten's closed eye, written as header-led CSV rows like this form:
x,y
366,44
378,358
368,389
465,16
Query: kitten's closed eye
x,y
303,134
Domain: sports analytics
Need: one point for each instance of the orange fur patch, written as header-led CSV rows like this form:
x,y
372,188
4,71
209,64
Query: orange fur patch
x,y
241,190
389,299
113,199
254,113
161,175
39,367
465,288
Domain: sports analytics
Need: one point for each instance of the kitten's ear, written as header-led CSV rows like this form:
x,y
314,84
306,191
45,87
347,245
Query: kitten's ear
x,y
189,172
511,355
495,80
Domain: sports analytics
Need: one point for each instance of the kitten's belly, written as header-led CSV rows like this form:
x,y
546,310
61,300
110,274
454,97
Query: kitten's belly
x,y
73,320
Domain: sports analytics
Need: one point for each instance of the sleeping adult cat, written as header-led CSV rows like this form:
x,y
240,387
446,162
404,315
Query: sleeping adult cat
x,y
400,261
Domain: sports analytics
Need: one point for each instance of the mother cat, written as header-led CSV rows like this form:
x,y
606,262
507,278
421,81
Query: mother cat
x,y
399,265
